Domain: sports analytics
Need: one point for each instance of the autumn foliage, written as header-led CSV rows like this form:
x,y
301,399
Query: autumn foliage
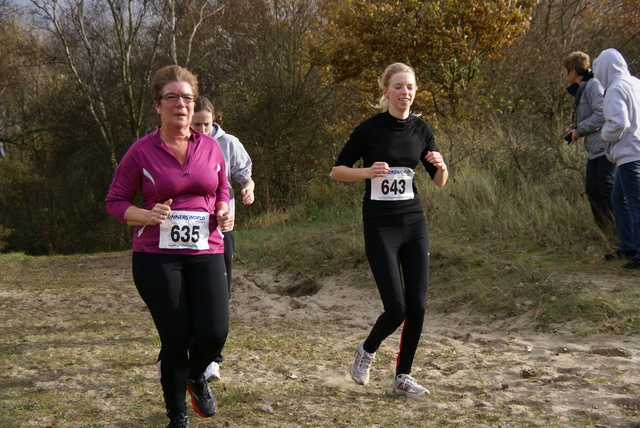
x,y
445,41
290,78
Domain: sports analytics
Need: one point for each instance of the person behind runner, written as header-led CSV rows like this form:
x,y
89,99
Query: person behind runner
x,y
391,144
588,94
621,132
178,262
238,165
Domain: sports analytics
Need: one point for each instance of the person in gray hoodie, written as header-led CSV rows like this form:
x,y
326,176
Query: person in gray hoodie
x,y
588,118
239,166
621,132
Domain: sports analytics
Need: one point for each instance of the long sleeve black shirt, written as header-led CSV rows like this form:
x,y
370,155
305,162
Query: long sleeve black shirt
x,y
399,143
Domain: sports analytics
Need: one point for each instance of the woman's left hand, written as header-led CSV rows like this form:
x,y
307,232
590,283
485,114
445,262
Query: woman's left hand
x,y
435,158
247,196
225,219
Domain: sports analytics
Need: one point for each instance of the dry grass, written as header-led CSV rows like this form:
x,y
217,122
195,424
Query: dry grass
x,y
78,350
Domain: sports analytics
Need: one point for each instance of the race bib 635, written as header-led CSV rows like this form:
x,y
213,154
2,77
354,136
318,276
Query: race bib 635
x,y
185,230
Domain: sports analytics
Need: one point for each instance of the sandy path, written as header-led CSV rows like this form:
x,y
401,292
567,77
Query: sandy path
x,y
506,373
512,365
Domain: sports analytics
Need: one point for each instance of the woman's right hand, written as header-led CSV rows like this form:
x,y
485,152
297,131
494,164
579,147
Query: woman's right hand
x,y
159,213
379,169
346,173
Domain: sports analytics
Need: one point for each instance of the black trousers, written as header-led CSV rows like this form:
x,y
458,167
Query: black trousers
x,y
188,298
599,178
229,248
398,251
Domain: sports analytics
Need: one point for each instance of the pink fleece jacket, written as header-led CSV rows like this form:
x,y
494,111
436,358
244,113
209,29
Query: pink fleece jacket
x,y
150,168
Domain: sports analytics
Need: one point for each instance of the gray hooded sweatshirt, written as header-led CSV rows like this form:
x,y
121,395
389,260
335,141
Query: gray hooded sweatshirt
x,y
236,160
621,107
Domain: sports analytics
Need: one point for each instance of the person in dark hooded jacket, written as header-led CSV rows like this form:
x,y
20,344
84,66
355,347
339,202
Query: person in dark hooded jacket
x,y
588,118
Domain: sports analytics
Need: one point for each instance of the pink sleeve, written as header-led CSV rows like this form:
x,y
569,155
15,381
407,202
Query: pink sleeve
x,y
124,187
222,192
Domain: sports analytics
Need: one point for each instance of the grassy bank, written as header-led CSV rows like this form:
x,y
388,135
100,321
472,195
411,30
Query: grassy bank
x,y
497,247
78,346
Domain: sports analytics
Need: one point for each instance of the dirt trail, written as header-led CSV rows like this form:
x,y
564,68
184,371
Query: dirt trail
x,y
513,364
67,323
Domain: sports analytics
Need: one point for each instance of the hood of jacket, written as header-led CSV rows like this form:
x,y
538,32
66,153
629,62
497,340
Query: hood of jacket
x,y
216,131
610,66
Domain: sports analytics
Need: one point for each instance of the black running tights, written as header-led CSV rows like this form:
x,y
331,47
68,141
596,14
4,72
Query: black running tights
x,y
398,251
188,298
229,248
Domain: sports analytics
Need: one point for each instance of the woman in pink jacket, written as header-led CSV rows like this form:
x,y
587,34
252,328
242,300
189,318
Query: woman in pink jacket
x,y
178,263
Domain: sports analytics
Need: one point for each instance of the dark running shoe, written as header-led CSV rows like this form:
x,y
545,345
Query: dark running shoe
x,y
620,255
179,420
632,265
202,399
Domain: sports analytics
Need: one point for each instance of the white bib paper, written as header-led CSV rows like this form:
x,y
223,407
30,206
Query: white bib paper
x,y
185,230
397,185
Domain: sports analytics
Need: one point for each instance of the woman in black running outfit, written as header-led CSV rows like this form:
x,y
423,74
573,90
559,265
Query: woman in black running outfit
x,y
391,144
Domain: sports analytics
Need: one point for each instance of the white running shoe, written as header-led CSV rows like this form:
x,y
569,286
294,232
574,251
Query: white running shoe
x,y
362,365
212,371
406,385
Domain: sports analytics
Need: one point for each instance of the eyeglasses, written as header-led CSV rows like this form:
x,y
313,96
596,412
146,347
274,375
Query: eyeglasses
x,y
173,98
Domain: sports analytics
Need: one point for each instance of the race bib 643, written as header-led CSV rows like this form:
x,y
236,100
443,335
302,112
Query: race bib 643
x,y
396,185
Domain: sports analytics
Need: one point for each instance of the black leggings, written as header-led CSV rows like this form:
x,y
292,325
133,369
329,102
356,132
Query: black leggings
x,y
188,299
229,247
398,251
